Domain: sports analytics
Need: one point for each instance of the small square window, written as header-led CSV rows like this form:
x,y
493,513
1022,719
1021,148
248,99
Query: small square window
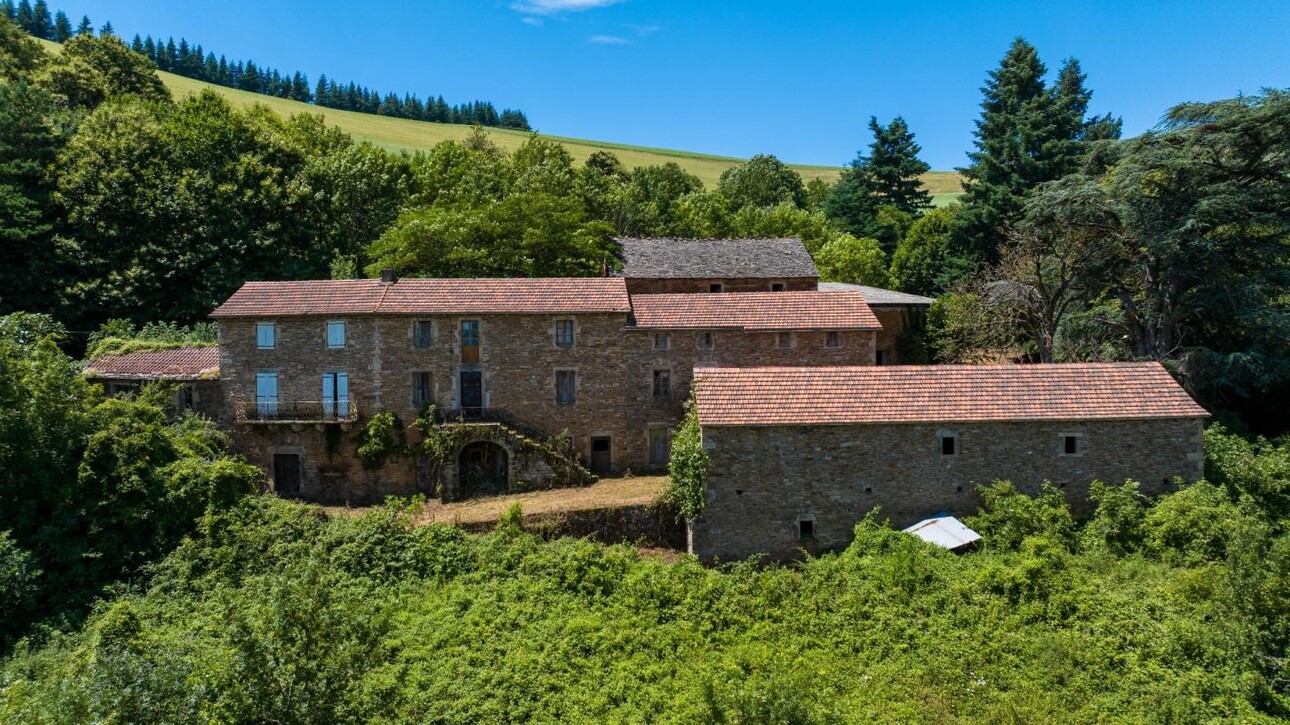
x,y
805,529
335,334
705,340
662,383
662,341
564,333
784,340
715,287
833,339
1072,445
949,445
266,335
422,334
776,286
566,387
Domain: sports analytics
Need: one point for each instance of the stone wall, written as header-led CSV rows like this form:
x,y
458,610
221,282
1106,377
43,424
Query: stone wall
x,y
518,359
764,480
641,286
730,348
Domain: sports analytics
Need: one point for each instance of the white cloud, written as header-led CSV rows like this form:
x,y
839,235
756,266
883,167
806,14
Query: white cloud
x,y
608,40
553,7
530,20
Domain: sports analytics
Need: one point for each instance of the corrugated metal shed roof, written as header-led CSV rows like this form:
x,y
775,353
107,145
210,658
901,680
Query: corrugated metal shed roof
x,y
945,531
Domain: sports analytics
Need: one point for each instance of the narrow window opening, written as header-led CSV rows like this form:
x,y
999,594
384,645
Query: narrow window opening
x,y
833,339
662,341
470,341
564,333
776,286
335,334
949,445
422,334
662,383
784,340
880,357
1070,445
422,390
566,386
715,287
705,340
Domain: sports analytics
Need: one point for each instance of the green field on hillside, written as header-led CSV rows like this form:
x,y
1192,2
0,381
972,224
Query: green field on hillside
x,y
398,134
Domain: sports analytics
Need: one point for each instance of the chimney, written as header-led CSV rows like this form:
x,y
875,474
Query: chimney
x,y
389,276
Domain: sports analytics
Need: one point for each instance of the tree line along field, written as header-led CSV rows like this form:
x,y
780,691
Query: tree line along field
x,y
399,134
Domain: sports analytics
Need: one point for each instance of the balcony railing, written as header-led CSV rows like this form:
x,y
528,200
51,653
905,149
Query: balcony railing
x,y
298,411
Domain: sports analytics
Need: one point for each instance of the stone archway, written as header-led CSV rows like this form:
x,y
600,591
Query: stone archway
x,y
483,468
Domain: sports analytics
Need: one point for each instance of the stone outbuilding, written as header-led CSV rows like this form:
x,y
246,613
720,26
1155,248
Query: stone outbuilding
x,y
799,455
904,322
193,369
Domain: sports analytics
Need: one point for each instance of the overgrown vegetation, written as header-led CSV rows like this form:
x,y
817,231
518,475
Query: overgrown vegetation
x,y
1168,611
118,337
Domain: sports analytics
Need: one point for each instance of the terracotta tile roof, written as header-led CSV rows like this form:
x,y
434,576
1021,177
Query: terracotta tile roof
x,y
877,296
939,394
427,297
176,363
669,258
755,311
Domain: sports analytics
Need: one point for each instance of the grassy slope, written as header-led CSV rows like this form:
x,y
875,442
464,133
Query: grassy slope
x,y
399,134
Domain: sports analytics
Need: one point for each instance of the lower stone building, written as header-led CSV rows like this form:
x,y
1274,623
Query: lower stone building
x,y
798,456
193,370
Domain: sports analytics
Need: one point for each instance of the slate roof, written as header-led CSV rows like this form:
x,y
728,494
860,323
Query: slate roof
x,y
176,363
668,258
754,311
939,394
427,297
877,295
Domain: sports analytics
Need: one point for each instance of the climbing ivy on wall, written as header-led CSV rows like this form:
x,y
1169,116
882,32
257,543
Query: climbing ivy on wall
x,y
688,467
441,442
383,438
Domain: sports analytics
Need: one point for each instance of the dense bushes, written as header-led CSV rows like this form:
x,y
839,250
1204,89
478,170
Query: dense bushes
x,y
276,610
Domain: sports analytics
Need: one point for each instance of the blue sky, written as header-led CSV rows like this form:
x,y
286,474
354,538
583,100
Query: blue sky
x,y
796,79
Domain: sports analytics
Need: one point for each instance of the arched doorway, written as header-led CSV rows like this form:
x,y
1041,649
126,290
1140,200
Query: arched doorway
x,y
483,469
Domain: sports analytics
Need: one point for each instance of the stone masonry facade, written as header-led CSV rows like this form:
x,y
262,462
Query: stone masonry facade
x,y
765,480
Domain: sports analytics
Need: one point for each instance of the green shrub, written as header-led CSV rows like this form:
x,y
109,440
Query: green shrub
x,y
1116,523
382,439
1193,525
1008,516
687,468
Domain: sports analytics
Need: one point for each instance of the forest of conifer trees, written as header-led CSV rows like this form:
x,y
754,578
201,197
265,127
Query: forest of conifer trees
x,y
193,61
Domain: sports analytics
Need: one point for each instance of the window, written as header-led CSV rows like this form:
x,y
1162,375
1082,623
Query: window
x,y
705,341
470,341
422,389
776,286
662,341
949,445
184,399
784,340
715,287
266,395
564,333
335,334
1072,444
662,383
566,387
880,357
660,445
266,335
833,339
422,334
335,395
805,529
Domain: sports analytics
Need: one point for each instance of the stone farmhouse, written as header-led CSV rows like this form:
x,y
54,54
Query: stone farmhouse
x,y
547,382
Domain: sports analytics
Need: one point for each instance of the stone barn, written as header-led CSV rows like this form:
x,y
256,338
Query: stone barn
x,y
193,370
799,455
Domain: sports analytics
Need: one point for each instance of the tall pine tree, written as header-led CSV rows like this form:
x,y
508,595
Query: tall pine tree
x,y
62,27
886,174
1028,133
